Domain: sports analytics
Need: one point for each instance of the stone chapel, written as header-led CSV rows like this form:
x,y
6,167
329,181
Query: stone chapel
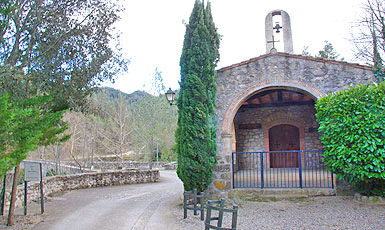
x,y
266,128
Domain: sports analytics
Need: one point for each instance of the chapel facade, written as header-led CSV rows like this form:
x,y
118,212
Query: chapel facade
x,y
266,116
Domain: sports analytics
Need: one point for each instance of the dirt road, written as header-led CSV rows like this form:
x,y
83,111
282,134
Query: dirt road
x,y
137,206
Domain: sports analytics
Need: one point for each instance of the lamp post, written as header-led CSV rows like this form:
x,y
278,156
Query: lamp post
x,y
170,96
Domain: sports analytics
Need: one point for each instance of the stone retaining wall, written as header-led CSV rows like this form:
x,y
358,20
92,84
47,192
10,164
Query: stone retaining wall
x,y
57,184
116,165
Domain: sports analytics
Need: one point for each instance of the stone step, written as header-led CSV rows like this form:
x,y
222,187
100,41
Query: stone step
x,y
283,196
253,194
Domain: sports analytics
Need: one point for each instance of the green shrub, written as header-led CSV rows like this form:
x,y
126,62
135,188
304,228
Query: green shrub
x,y
352,123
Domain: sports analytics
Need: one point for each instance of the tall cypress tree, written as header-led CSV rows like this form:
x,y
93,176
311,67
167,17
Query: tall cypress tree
x,y
196,133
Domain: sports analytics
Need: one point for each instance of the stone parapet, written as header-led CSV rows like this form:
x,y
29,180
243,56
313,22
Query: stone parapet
x,y
255,194
57,184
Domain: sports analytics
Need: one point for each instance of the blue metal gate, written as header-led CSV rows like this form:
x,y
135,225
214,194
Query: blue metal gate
x,y
280,169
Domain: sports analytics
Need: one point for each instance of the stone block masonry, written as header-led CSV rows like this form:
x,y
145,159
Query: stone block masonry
x,y
57,184
236,83
252,140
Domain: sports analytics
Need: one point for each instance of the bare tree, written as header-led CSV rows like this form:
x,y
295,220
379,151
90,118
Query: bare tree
x,y
78,136
369,41
117,116
155,120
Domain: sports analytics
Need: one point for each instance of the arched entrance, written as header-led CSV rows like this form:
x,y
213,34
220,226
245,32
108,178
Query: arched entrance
x,y
283,138
276,119
276,141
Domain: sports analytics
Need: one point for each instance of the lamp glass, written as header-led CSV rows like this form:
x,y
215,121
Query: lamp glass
x,y
170,95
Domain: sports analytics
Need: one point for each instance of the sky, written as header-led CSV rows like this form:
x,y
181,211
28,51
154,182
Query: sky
x,y
152,33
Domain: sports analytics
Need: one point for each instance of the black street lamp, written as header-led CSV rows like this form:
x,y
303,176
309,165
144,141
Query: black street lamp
x,y
170,95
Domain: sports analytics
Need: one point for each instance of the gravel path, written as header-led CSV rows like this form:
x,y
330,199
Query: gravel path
x,y
312,213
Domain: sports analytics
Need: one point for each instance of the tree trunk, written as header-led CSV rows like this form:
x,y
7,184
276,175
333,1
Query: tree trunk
x,y
93,146
151,147
11,219
84,144
42,153
56,161
121,155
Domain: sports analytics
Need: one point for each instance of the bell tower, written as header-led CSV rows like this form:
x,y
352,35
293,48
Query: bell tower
x,y
271,30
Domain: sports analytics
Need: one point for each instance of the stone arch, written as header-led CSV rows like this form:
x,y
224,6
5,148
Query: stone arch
x,y
237,102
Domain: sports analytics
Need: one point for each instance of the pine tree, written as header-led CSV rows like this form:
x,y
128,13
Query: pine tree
x,y
27,122
328,52
196,133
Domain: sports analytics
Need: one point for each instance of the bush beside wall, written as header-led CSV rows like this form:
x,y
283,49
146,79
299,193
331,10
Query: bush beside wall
x,y
352,123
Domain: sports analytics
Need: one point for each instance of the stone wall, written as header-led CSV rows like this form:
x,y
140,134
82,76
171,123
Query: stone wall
x,y
252,140
109,165
236,83
57,184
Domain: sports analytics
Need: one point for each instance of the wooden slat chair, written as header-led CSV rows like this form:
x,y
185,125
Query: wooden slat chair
x,y
190,202
213,205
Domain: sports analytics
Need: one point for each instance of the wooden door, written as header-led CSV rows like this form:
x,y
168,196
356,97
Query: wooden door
x,y
284,138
